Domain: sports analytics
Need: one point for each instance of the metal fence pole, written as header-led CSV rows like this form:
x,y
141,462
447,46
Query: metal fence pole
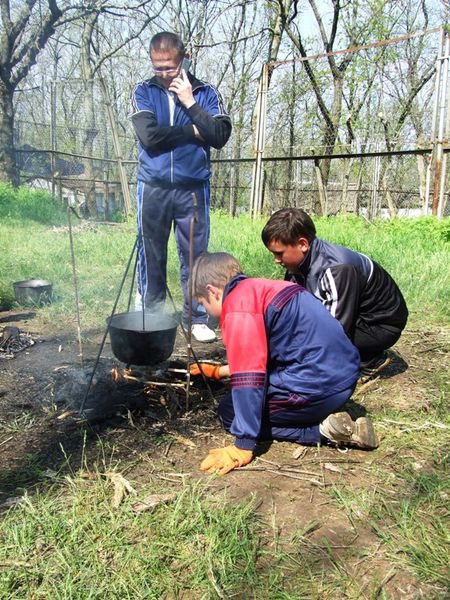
x,y
445,105
53,138
443,58
431,161
257,177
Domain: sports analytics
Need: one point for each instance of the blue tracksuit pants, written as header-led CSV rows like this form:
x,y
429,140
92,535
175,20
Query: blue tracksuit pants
x,y
300,425
157,208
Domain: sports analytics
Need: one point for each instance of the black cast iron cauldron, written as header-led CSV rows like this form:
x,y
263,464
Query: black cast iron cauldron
x,y
142,339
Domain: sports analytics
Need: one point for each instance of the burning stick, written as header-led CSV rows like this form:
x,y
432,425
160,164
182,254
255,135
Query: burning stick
x,y
116,374
164,383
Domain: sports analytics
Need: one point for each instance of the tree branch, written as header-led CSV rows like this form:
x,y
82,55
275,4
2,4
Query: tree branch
x,y
297,41
36,43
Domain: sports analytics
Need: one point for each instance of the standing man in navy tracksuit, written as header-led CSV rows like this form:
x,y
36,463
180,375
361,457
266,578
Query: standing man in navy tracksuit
x,y
177,118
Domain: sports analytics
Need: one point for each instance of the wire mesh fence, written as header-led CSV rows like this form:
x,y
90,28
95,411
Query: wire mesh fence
x,y
369,186
93,185
64,143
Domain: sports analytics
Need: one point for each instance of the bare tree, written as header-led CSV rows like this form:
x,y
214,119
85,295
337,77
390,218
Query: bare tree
x,y
26,29
409,74
96,46
24,33
330,106
242,54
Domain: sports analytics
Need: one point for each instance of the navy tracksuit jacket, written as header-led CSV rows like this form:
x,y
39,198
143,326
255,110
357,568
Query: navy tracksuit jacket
x,y
358,292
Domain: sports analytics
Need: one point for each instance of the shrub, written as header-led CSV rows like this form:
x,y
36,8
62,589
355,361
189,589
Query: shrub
x,y
25,204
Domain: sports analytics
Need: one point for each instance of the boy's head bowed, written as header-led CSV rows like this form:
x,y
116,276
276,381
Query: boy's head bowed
x,y
287,225
213,268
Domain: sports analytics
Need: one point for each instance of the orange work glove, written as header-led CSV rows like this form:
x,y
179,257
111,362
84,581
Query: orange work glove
x,y
208,369
223,460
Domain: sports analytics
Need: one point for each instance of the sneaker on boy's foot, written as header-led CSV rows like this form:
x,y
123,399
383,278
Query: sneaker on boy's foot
x,y
369,369
340,429
203,333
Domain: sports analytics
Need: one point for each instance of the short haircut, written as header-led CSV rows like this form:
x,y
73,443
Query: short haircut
x,y
213,268
166,41
287,225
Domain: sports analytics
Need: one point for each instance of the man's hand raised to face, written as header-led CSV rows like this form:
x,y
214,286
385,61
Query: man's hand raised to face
x,y
181,86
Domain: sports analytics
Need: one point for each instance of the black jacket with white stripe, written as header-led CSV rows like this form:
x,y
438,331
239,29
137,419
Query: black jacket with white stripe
x,y
351,286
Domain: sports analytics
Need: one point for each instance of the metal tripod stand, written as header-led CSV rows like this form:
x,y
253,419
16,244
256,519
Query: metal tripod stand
x,y
187,334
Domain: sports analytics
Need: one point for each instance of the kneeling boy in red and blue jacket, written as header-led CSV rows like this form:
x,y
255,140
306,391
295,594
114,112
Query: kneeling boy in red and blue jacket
x,y
292,367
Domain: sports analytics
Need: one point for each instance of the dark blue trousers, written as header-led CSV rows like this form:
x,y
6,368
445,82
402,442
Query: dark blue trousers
x,y
157,208
300,425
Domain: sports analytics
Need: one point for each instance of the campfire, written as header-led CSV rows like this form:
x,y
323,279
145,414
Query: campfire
x,y
12,341
160,375
115,389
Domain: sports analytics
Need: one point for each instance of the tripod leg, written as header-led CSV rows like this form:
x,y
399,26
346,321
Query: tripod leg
x,y
108,325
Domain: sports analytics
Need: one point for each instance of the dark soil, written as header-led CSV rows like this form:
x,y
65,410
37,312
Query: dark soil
x,y
160,433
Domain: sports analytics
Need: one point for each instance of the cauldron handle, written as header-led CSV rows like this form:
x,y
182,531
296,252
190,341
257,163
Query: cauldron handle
x,y
192,223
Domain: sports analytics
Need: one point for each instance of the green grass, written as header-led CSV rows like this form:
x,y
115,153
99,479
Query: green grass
x,y
66,541
407,497
415,527
23,204
70,543
31,470
412,525
415,252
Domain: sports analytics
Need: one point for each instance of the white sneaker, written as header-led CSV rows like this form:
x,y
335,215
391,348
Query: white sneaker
x,y
138,301
203,333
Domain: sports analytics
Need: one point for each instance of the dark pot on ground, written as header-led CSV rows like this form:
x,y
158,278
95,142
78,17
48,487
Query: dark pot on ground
x,y
142,339
33,291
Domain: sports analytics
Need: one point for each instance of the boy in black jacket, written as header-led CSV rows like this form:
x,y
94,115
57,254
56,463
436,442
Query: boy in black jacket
x,y
354,288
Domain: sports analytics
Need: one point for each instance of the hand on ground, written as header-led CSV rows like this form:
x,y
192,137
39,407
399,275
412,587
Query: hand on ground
x,y
223,460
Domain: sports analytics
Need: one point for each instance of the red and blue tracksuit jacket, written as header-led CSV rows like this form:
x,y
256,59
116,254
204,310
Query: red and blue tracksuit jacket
x,y
284,351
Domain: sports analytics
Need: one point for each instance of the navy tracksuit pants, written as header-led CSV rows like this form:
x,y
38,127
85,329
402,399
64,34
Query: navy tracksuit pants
x,y
300,425
158,207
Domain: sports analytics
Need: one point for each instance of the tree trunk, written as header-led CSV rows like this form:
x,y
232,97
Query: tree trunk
x,y
385,183
348,164
288,201
235,168
8,167
422,170
330,135
422,163
88,147
321,204
90,128
358,190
